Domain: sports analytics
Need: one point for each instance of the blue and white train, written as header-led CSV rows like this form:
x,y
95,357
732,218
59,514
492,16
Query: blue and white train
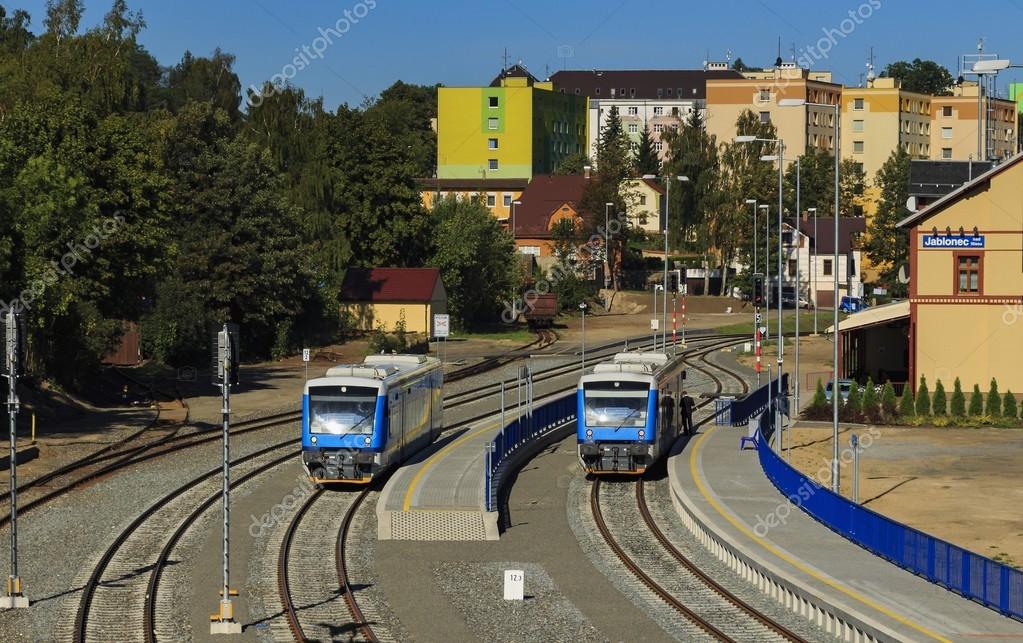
x,y
631,409
362,419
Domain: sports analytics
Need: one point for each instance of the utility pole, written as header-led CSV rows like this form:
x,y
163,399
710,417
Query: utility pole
x,y
226,374
15,343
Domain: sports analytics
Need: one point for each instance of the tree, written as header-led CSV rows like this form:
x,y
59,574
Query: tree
x,y
740,66
1009,410
993,406
871,409
889,405
819,407
205,80
647,161
852,181
477,261
976,402
958,408
63,17
852,410
573,164
907,407
887,245
922,76
938,402
923,398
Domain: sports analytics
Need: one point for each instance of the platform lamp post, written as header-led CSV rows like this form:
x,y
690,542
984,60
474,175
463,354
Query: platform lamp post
x,y
225,374
582,307
813,258
667,209
15,344
753,285
835,465
767,265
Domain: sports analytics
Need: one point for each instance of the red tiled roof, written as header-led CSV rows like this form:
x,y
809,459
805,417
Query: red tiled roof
x,y
848,227
389,284
544,195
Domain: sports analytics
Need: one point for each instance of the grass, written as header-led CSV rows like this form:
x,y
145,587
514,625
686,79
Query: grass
x,y
516,334
788,323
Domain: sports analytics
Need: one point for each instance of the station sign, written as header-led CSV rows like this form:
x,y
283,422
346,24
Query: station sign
x,y
950,242
441,326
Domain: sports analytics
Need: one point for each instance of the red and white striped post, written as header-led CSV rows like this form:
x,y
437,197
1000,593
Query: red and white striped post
x,y
757,351
674,324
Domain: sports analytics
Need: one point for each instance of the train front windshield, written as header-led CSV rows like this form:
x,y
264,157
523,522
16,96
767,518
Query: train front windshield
x,y
342,410
616,404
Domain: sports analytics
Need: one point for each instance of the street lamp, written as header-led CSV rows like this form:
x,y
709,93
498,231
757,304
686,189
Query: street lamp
x,y
653,321
753,284
582,307
813,256
667,205
835,467
767,265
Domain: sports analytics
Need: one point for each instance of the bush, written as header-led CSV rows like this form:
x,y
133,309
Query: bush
x,y
819,408
383,342
976,402
938,402
871,409
889,405
923,399
907,409
958,401
852,410
1009,405
993,408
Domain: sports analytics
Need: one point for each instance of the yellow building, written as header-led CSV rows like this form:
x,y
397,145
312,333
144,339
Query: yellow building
x,y
644,205
759,92
954,126
515,128
380,298
497,194
966,286
879,118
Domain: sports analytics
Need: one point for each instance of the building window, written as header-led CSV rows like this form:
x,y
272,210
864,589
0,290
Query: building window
x,y
857,103
765,117
633,111
491,200
621,92
858,167
946,152
792,267
596,90
492,164
658,128
632,92
669,91
491,143
765,95
658,111
633,128
857,147
946,133
507,200
858,126
968,278
491,123
946,111
658,146
642,199
827,267
493,102
576,91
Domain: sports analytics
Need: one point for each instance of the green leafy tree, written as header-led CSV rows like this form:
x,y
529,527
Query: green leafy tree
x,y
819,407
871,407
907,407
573,164
205,80
647,161
1009,410
923,398
976,402
476,257
740,66
993,406
889,405
564,241
852,410
958,407
922,76
887,245
939,403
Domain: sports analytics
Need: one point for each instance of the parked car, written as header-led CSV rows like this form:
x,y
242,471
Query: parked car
x,y
852,305
844,386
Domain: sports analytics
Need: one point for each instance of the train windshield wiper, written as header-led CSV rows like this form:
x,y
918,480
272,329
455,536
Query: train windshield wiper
x,y
351,430
631,413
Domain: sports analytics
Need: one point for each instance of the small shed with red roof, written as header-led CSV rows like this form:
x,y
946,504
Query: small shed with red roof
x,y
381,297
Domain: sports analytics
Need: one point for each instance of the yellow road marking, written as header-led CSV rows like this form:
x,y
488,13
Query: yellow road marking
x,y
433,459
693,469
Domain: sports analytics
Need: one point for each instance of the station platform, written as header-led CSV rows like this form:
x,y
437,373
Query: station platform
x,y
726,500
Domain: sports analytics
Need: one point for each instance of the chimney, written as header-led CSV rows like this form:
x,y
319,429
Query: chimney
x,y
586,171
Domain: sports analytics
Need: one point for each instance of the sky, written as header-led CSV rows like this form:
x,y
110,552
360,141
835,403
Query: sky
x,y
353,49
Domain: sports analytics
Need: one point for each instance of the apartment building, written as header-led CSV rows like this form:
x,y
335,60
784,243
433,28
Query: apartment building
x,y
513,129
497,194
879,118
760,91
954,126
658,99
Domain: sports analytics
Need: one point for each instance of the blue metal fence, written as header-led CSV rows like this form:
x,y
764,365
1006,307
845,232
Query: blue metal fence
x,y
976,577
756,402
518,433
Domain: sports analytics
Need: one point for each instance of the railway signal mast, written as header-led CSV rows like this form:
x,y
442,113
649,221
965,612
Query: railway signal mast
x,y
15,344
225,374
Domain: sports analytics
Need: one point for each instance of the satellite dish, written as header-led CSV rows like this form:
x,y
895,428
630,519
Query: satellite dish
x,y
904,274
911,204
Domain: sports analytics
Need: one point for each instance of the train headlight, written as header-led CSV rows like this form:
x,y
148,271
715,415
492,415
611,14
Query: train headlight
x,y
368,441
642,433
589,433
313,439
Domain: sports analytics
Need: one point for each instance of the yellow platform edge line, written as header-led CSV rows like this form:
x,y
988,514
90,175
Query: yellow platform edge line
x,y
428,464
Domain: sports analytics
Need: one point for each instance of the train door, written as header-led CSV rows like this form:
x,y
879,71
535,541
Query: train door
x,y
398,425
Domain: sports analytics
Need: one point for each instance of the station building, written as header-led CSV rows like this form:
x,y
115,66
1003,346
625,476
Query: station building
x,y
380,298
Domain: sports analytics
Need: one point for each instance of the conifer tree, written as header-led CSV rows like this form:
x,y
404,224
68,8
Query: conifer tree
x,y
939,403
958,401
923,399
993,408
976,402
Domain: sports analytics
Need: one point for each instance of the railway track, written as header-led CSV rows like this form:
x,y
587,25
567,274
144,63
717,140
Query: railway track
x,y
545,338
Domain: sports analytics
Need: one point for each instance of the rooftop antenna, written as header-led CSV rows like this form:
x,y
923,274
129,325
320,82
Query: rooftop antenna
x,y
728,55
870,68
777,61
504,66
792,50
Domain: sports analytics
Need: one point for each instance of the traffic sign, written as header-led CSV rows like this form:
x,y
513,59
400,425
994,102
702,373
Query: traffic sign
x,y
441,326
655,324
763,331
757,319
305,354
